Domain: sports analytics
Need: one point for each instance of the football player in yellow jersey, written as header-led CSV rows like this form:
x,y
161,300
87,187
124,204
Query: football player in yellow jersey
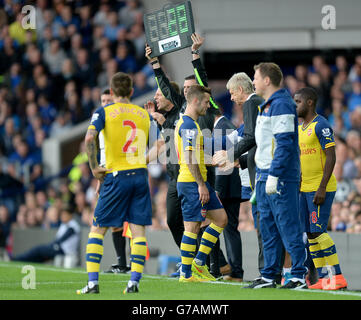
x,y
198,199
318,187
124,192
119,241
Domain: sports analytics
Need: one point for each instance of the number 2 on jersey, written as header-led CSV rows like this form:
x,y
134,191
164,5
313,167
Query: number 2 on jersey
x,y
127,148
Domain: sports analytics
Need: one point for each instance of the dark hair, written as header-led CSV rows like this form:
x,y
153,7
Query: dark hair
x,y
271,70
191,77
197,91
67,207
106,91
121,84
216,112
308,94
175,86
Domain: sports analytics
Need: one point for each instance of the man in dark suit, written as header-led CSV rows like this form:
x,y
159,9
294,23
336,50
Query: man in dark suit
x,y
228,187
241,89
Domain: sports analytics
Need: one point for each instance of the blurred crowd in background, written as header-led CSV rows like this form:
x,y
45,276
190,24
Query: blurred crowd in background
x,y
51,79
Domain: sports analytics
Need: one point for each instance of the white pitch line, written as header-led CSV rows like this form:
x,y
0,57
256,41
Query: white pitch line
x,y
240,284
56,269
60,282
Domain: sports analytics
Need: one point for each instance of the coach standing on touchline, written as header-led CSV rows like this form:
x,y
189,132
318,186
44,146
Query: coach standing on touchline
x,y
242,93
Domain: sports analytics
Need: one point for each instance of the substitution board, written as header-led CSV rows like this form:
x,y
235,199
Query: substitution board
x,y
170,28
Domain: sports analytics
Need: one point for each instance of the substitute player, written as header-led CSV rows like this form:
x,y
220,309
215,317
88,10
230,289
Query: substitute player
x,y
318,187
205,122
198,198
124,193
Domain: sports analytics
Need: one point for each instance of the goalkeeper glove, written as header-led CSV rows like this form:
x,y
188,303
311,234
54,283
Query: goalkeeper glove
x,y
271,185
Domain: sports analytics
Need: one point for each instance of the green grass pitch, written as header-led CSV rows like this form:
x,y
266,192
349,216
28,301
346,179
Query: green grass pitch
x,y
53,283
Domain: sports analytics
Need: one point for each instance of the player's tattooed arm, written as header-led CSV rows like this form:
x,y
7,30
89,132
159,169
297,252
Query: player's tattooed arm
x,y
92,152
91,147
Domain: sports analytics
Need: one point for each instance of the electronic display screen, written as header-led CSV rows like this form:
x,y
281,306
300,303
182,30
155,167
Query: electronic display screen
x,y
170,28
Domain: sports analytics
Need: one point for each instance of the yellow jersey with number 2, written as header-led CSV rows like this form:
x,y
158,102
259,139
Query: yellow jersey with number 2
x,y
126,132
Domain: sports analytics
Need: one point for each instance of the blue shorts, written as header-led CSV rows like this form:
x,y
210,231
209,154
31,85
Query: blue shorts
x,y
192,208
280,226
315,218
124,197
246,193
